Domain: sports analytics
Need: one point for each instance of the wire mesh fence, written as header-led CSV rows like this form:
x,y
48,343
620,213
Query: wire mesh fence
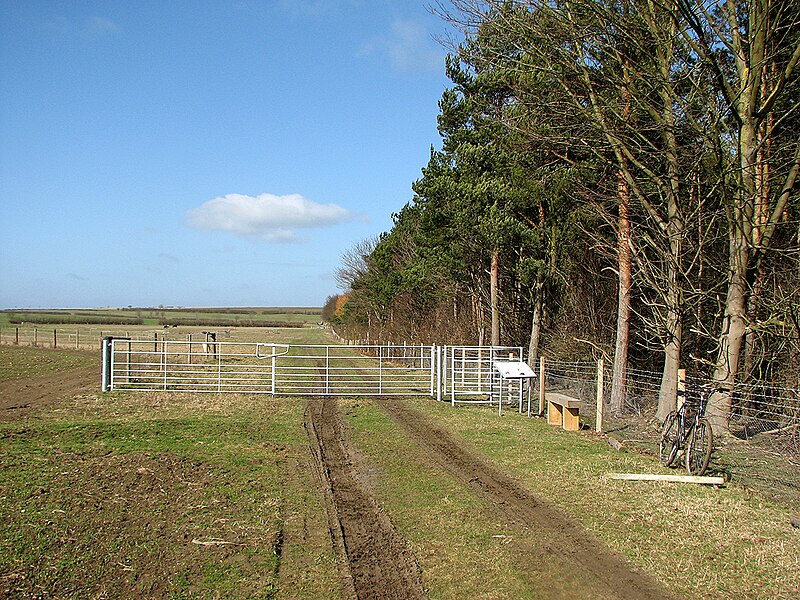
x,y
758,446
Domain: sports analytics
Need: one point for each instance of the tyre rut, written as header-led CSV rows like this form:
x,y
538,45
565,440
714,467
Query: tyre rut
x,y
555,533
376,560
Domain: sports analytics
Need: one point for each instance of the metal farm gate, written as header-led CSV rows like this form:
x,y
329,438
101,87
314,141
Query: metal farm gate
x,y
460,374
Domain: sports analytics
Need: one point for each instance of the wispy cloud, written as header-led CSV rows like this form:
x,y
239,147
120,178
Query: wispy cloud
x,y
316,8
92,26
169,257
408,46
102,25
266,216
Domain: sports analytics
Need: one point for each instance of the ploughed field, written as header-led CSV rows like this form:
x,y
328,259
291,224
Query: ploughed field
x,y
176,495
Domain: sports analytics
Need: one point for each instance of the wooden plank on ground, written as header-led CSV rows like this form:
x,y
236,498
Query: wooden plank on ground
x,y
671,478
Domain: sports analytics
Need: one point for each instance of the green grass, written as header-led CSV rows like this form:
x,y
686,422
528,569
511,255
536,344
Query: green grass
x,y
698,540
131,493
153,316
160,496
23,362
464,550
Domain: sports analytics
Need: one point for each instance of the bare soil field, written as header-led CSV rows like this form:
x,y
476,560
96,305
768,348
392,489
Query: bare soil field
x,y
18,397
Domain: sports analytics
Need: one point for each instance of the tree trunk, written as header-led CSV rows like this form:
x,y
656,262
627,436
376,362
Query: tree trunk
x,y
536,323
734,328
494,293
619,378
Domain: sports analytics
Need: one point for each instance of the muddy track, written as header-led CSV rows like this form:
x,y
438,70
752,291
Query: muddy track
x,y
19,397
376,560
555,533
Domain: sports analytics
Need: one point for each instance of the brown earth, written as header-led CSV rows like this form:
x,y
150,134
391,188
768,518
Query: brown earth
x,y
19,397
376,560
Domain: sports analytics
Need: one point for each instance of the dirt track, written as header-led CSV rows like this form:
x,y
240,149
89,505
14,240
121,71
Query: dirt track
x,y
552,531
378,563
376,560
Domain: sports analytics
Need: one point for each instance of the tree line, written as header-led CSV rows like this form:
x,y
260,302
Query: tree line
x,y
616,176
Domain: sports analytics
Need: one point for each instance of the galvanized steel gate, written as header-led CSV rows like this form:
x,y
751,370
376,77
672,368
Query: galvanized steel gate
x,y
458,374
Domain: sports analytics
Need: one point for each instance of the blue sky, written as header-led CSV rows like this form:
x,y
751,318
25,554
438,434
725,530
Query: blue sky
x,y
205,153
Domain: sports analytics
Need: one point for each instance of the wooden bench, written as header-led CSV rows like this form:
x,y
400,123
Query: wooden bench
x,y
563,410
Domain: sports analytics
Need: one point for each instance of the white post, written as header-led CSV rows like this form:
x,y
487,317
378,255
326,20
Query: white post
x,y
541,385
681,387
274,364
599,416
164,357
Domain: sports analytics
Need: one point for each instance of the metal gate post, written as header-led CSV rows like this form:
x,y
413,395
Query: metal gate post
x,y
107,361
451,381
164,355
380,370
433,350
274,365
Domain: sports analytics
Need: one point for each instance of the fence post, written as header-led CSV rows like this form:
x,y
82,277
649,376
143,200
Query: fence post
x,y
35,337
16,336
681,388
107,358
541,385
599,416
55,339
77,338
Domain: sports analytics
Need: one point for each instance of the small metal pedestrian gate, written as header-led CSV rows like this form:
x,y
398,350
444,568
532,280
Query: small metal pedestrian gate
x,y
445,372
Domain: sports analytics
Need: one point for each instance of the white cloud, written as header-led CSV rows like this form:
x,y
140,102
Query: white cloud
x,y
267,216
409,47
317,8
92,26
102,25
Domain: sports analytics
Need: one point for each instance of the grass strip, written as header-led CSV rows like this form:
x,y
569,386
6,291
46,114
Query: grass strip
x,y
698,540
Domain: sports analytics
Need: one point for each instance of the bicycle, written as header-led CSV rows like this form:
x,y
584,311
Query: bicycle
x,y
687,432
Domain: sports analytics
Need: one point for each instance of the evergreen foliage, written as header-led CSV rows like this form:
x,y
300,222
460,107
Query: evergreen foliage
x,y
691,109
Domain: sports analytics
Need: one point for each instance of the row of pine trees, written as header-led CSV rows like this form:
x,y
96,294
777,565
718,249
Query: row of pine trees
x,y
616,177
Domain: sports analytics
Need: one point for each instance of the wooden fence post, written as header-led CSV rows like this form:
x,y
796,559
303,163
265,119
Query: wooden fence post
x,y
681,387
599,415
541,385
55,339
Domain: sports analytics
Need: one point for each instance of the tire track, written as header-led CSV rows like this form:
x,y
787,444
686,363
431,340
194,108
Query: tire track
x,y
377,562
554,532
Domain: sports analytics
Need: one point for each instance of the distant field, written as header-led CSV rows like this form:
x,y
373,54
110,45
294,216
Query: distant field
x,y
85,328
219,317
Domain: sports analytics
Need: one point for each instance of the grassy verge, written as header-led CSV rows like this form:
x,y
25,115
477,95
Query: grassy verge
x,y
463,549
173,496
699,541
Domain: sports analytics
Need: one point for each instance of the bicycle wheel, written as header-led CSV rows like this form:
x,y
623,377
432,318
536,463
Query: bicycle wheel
x,y
698,451
668,445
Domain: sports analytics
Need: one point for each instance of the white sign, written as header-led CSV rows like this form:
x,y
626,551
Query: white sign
x,y
514,370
